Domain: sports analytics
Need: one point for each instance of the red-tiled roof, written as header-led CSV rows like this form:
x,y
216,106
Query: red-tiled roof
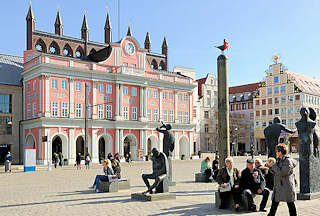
x,y
304,83
244,88
200,82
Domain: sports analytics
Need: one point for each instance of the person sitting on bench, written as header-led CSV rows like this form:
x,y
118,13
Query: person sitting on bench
x,y
206,169
116,167
159,170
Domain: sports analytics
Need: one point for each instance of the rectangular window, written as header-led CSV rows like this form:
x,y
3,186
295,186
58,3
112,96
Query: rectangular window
x,y
186,117
78,86
133,91
108,111
276,79
290,122
290,110
269,90
165,95
264,112
88,87
208,101
180,97
5,125
125,90
165,115
257,113
276,100
269,111
64,109
34,86
263,101
283,100
206,114
78,110
64,84
149,114
276,111
100,111
34,110
155,93
89,111
186,97
290,98
5,103
283,89
264,124
171,116
126,113
54,84
171,95
269,100
206,128
134,113
283,121
28,87
276,89
257,124
257,102
243,106
109,89
155,115
231,107
283,110
54,108
180,117
149,93
100,88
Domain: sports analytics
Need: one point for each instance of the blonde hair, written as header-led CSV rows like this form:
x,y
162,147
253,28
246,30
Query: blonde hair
x,y
271,160
258,160
107,162
283,148
228,159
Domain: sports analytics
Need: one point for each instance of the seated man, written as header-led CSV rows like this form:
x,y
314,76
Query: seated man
x,y
215,167
265,172
159,170
206,169
253,182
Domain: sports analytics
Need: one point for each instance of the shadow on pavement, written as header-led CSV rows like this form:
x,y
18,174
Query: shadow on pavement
x,y
104,202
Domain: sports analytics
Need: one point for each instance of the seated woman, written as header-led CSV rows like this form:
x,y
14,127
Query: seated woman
x,y
108,175
229,177
116,167
206,169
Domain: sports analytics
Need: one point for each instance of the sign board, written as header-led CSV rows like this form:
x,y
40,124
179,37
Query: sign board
x,y
29,159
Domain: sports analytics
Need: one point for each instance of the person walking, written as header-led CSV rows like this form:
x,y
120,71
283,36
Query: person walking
x,y
60,159
284,189
55,159
88,160
78,161
8,161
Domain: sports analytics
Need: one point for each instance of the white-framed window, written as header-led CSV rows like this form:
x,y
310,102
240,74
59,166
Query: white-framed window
x,y
64,84
28,111
149,93
100,111
126,113
54,84
171,95
180,116
34,110
283,89
28,87
100,88
283,110
284,121
194,113
54,108
206,128
149,114
276,79
108,111
257,124
290,110
134,113
165,115
109,89
64,109
186,117
34,86
78,110
155,115
290,98
290,122
125,90
89,111
208,100
269,90
133,91
89,87
186,97
180,97
276,89
171,116
78,86
155,93
164,95
283,99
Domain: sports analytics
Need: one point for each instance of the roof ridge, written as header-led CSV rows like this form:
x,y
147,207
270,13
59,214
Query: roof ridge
x,y
11,55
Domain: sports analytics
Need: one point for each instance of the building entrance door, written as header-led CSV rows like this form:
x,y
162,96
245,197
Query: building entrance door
x,y
4,149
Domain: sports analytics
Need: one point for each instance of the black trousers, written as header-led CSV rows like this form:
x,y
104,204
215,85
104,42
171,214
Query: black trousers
x,y
265,193
208,173
236,195
274,207
145,178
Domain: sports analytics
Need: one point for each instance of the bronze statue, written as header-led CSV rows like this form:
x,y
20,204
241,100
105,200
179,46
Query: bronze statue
x,y
168,138
272,134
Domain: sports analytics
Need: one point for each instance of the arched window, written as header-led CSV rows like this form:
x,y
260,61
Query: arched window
x,y
162,66
79,52
67,51
154,64
92,51
54,48
41,46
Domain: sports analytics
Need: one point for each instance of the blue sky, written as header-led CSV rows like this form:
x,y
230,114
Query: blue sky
x,y
255,29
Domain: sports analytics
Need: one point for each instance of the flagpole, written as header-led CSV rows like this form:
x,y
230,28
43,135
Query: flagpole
x,y
119,20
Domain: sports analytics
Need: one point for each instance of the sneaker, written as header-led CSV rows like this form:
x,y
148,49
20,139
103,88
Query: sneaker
x,y
262,210
91,187
97,190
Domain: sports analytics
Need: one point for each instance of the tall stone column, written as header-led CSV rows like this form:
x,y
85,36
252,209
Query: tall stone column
x,y
94,100
95,146
144,102
47,96
121,142
71,98
160,105
117,141
223,107
175,106
141,102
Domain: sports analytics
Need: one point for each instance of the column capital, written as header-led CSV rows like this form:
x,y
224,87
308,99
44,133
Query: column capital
x,y
47,76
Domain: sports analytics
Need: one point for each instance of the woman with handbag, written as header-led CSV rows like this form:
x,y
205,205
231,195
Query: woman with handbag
x,y
228,179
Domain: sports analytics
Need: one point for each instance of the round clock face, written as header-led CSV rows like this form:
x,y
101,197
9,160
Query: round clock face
x,y
129,48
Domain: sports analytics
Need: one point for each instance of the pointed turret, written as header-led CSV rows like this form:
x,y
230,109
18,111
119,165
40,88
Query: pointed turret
x,y
147,43
30,27
58,29
85,29
129,31
164,46
107,30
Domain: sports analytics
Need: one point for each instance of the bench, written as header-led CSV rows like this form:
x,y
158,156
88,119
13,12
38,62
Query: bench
x,y
121,184
243,202
200,177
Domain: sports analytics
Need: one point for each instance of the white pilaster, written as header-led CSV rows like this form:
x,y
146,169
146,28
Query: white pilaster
x,y
94,101
176,146
190,143
121,142
95,155
144,102
40,97
141,102
72,147
141,139
160,105
40,159
190,108
47,153
47,96
121,101
71,98
145,143
117,141
117,99
24,105
160,145
175,106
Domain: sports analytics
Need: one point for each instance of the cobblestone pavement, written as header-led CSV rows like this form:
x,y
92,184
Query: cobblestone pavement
x,y
64,191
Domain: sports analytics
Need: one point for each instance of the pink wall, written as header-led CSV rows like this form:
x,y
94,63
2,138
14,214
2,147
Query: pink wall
x,y
132,101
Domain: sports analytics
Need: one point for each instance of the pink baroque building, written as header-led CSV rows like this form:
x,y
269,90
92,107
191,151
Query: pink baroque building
x,y
130,90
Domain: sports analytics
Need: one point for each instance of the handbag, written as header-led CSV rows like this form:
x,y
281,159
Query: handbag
x,y
112,178
226,189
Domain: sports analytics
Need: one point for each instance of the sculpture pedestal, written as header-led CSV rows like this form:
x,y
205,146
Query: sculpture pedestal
x,y
309,169
171,182
153,197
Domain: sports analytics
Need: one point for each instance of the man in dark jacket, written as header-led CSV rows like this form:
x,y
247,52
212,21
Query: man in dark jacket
x,y
252,182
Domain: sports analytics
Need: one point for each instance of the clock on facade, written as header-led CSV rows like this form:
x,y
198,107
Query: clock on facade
x,y
129,48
